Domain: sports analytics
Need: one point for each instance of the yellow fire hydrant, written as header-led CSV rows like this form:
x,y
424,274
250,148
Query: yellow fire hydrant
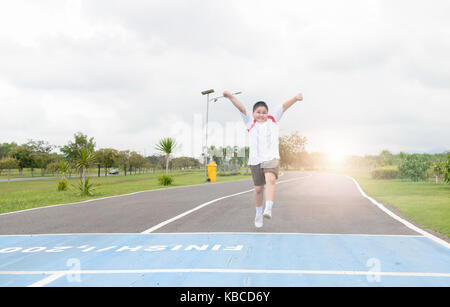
x,y
212,169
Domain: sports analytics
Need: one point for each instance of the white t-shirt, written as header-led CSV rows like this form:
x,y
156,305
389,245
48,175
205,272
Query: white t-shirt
x,y
263,137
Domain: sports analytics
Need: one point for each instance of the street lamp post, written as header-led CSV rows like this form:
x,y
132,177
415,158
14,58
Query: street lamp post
x,y
207,92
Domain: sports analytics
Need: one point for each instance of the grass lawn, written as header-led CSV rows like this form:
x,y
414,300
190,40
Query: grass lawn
x,y
424,202
22,195
27,173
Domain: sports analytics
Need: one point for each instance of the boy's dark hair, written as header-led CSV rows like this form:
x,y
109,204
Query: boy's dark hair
x,y
260,104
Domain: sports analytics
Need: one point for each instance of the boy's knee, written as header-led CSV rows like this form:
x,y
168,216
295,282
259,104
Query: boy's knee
x,y
259,189
270,178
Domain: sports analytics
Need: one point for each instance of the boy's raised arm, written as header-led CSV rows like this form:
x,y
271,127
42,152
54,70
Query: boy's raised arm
x,y
290,102
235,101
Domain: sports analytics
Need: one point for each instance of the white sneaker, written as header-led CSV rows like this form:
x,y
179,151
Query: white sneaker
x,y
267,213
258,220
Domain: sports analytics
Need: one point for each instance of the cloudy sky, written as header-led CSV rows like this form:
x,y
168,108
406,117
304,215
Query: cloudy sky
x,y
374,74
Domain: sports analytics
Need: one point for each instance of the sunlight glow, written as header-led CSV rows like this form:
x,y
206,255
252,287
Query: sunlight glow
x,y
338,150
337,159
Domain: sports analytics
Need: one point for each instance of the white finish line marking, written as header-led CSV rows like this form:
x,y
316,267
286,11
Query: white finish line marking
x,y
250,271
54,275
156,227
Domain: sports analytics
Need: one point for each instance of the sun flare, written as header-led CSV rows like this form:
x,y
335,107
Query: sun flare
x,y
336,158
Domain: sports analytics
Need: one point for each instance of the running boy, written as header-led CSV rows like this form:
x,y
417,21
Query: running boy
x,y
264,157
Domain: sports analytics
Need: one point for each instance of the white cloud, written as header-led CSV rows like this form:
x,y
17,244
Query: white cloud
x,y
370,71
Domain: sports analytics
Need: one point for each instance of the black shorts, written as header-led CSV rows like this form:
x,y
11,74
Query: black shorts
x,y
258,171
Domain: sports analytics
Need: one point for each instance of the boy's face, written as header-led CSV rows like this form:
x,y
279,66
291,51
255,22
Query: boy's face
x,y
260,114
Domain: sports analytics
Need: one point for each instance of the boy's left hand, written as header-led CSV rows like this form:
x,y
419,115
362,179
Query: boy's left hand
x,y
227,94
299,97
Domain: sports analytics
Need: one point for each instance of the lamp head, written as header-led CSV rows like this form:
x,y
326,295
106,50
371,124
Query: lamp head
x,y
208,92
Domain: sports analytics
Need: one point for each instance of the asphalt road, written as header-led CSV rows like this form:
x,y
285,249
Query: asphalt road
x,y
304,203
324,232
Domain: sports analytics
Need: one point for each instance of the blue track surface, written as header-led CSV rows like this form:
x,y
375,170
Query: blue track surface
x,y
222,259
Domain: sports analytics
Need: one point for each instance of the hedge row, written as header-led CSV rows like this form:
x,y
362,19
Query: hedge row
x,y
387,172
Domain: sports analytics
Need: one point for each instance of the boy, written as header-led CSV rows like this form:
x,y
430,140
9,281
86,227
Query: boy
x,y
264,157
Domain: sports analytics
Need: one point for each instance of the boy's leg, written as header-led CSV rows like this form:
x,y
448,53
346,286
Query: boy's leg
x,y
258,196
270,186
271,169
270,193
259,182
258,193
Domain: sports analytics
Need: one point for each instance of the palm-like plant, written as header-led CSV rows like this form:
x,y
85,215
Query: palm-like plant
x,y
167,146
63,168
85,159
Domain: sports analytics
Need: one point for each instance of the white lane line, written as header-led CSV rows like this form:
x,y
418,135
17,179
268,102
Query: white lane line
x,y
57,274
287,233
48,279
115,196
190,211
396,217
209,233
209,203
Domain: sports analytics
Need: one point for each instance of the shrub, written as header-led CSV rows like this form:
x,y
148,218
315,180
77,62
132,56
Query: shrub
x,y
387,172
62,185
88,189
447,170
165,180
414,167
229,174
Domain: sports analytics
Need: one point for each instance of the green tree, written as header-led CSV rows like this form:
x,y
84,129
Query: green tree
x,y
290,147
107,157
447,169
9,164
167,146
137,161
185,162
438,169
157,161
123,160
234,156
41,154
24,155
40,146
70,151
42,160
217,155
414,167
244,155
5,149
386,158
